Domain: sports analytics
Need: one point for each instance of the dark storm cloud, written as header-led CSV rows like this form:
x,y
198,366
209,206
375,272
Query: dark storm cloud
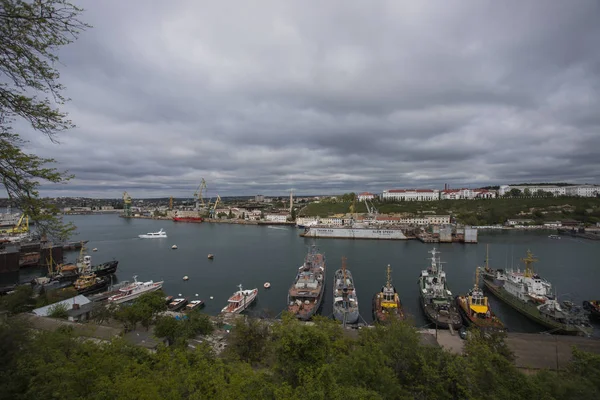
x,y
329,97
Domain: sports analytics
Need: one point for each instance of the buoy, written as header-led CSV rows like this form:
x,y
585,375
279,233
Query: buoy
x,y
196,294
185,278
179,295
94,249
211,297
174,247
267,285
211,256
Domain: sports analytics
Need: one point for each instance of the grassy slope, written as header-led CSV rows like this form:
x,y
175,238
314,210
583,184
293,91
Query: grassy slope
x,y
482,212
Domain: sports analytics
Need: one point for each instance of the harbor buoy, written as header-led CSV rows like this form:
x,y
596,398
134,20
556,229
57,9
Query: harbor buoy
x,y
185,278
94,249
196,294
211,256
267,285
174,247
179,295
211,297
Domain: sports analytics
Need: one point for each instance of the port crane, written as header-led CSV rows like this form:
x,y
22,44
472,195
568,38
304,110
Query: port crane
x,y
212,210
371,210
198,195
21,227
126,204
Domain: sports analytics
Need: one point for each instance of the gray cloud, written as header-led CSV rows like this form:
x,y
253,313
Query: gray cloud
x,y
328,97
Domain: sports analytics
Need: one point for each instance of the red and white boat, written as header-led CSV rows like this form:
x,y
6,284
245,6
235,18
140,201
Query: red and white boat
x,y
240,300
135,290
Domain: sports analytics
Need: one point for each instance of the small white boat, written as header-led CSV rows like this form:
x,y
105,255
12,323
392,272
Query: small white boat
x,y
154,235
94,249
174,247
185,278
554,237
240,300
211,256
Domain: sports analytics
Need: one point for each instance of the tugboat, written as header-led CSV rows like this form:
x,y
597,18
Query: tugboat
x,y
240,300
475,309
436,299
306,294
531,295
345,302
386,303
177,304
90,283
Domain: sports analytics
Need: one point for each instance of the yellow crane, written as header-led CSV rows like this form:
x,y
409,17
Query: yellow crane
x,y
198,195
21,227
126,204
214,207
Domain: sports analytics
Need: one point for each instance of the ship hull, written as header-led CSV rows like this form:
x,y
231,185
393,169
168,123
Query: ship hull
x,y
106,268
530,311
96,287
380,317
484,324
188,219
453,319
343,311
308,315
354,233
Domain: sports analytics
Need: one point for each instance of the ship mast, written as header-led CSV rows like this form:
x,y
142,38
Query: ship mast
x,y
530,259
389,277
344,268
487,256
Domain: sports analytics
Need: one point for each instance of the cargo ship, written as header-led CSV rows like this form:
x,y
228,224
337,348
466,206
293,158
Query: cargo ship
x,y
188,219
530,294
354,231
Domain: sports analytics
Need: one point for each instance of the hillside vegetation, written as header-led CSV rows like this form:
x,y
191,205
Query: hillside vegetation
x,y
285,360
479,212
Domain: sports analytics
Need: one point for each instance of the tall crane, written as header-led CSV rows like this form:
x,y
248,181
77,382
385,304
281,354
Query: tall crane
x,y
212,210
171,203
198,195
126,204
371,208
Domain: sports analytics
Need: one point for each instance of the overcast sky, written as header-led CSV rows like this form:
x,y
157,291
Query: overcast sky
x,y
328,97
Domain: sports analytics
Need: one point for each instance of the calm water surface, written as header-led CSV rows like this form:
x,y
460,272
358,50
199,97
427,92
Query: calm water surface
x,y
252,255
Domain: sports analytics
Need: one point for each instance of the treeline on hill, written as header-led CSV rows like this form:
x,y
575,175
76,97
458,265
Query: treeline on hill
x,y
285,360
478,212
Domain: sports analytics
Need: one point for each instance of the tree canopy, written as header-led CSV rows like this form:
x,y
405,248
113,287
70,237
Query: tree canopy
x,y
30,91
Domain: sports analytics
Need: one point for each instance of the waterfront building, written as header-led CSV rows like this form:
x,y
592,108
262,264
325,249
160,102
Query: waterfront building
x,y
517,222
332,221
259,198
411,194
534,189
307,220
276,217
365,196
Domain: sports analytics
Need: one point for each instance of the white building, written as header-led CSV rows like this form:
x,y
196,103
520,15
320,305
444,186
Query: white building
x,y
438,219
555,190
276,217
307,220
259,198
411,194
583,190
365,196
332,221
456,194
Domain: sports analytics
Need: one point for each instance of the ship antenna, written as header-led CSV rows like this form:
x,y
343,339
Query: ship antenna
x,y
389,276
476,278
344,268
487,256
530,259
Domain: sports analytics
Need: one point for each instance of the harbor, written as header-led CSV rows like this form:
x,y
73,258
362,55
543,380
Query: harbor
x,y
239,258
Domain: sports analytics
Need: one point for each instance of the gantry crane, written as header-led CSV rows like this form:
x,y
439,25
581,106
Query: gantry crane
x,y
198,195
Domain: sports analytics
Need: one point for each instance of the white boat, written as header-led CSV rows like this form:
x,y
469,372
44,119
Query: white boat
x,y
240,300
135,290
554,237
153,235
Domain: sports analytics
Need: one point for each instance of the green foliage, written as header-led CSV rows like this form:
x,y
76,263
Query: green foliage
x,y
144,310
293,361
32,33
21,300
58,310
179,331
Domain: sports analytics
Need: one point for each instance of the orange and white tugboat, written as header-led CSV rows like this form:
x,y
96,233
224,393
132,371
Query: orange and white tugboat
x,y
475,309
386,303
240,300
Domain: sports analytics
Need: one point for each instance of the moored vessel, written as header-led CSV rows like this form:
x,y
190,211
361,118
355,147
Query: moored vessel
x,y
345,301
134,290
188,219
177,304
386,303
240,300
194,305
306,293
354,231
436,300
90,283
475,309
593,306
531,295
